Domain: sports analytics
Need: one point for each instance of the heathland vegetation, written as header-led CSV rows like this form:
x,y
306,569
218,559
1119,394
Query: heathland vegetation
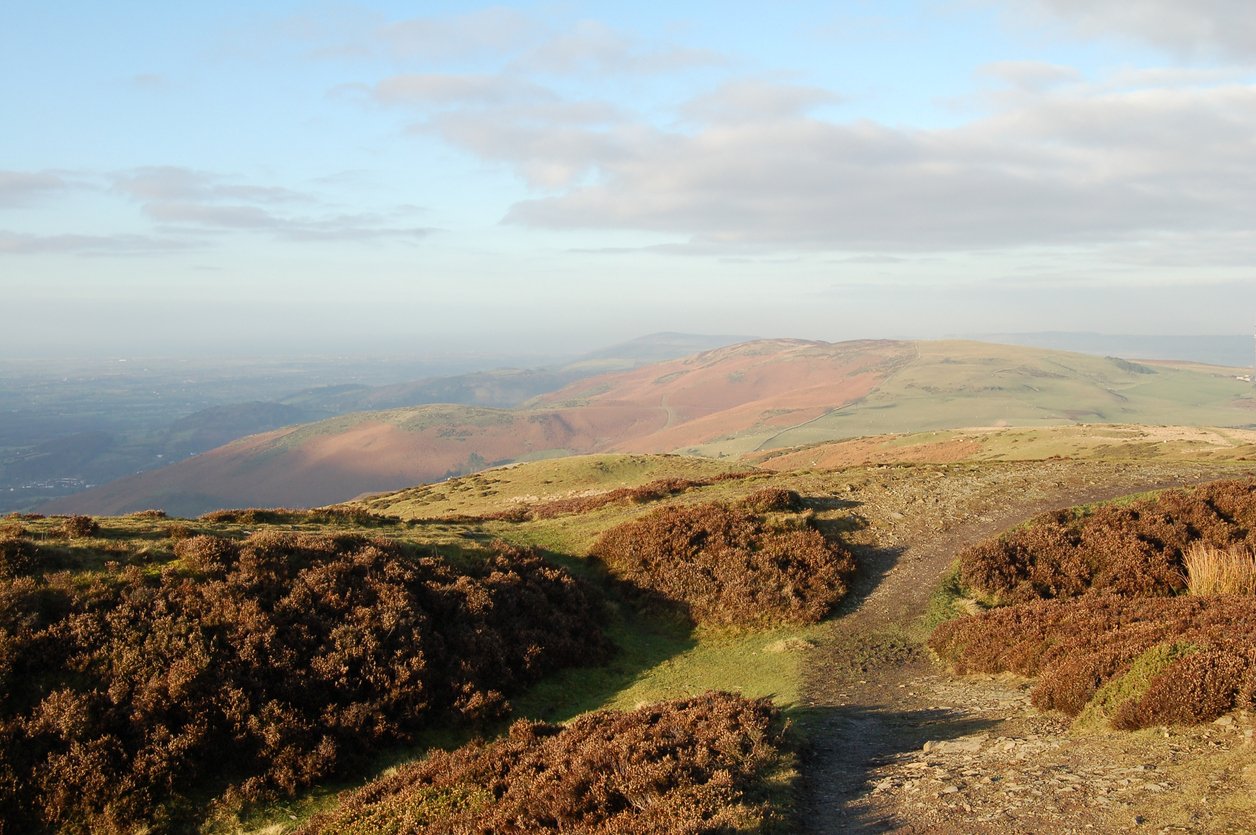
x,y
255,665
748,398
1138,613
563,629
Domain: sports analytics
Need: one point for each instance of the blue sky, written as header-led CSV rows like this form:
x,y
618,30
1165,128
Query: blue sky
x,y
295,177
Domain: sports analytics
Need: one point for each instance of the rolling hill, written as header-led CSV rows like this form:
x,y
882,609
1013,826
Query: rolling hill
x,y
723,403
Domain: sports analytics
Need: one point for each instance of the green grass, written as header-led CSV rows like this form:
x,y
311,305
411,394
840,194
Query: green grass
x,y
962,384
1133,684
946,603
534,481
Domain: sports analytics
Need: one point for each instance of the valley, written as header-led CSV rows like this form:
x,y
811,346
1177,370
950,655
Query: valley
x,y
811,582
747,399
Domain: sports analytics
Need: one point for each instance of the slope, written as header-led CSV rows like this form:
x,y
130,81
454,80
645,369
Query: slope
x,y
722,403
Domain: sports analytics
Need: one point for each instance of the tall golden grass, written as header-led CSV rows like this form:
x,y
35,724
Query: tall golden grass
x,y
1212,570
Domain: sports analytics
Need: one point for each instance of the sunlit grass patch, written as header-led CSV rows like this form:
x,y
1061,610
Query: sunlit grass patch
x,y
1212,570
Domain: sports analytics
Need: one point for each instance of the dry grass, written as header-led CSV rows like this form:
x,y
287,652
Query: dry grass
x,y
1211,570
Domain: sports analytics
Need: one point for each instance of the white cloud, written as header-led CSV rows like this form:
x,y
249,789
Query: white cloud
x,y
1226,27
751,100
452,88
18,188
1031,76
16,243
593,47
486,32
1057,170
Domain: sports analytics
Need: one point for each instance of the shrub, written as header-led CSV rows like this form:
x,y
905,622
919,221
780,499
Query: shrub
x,y
17,556
772,499
1134,550
1211,570
266,665
79,527
724,566
699,765
1077,646
152,513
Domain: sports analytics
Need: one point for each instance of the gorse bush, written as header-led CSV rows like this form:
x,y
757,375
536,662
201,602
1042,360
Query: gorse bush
x,y
1211,570
694,766
1133,550
260,666
726,565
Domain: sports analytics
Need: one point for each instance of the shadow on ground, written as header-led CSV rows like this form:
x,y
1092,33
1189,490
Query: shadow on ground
x,y
848,743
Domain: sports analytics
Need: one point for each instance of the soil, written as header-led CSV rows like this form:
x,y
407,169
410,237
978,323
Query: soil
x,y
898,744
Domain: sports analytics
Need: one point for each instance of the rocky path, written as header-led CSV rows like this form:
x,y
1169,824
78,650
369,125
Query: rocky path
x,y
900,745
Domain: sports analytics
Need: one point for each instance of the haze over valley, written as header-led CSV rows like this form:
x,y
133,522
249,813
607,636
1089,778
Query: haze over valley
x,y
627,418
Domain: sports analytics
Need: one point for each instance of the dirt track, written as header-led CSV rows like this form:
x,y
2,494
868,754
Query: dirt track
x,y
900,745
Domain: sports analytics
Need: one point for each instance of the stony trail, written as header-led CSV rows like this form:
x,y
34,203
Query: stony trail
x,y
898,744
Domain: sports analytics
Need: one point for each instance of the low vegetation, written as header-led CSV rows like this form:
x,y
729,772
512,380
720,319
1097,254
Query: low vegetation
x,y
1211,570
248,668
700,765
1134,549
1204,651
1094,607
732,564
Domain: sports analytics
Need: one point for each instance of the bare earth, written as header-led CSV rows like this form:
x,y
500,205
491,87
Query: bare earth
x,y
901,745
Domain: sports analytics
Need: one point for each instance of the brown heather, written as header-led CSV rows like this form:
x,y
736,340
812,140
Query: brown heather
x,y
79,527
1076,646
694,766
725,565
336,514
256,667
1134,550
651,492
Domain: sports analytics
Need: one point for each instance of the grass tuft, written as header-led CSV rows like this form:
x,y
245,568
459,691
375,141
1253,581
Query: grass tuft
x,y
1211,570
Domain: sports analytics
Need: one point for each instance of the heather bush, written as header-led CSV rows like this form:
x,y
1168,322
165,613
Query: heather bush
x,y
725,565
1134,550
257,667
773,499
79,527
17,556
1075,647
698,765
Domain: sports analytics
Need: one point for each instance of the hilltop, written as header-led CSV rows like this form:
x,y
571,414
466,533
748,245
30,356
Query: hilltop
x,y
724,403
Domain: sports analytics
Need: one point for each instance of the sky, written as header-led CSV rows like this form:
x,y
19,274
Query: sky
x,y
292,177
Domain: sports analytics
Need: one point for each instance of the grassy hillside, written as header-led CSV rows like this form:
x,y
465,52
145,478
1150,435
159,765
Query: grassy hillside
x,y
723,403
658,656
1094,441
965,384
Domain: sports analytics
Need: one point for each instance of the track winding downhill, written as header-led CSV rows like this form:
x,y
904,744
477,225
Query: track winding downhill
x,y
900,745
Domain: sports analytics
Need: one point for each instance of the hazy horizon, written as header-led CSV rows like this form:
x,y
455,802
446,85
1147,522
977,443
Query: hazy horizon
x,y
545,179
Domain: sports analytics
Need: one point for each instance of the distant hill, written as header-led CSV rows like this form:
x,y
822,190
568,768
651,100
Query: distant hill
x,y
1234,350
722,403
62,448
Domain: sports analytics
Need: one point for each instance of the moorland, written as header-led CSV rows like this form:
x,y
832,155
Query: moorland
x,y
1044,626
751,398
